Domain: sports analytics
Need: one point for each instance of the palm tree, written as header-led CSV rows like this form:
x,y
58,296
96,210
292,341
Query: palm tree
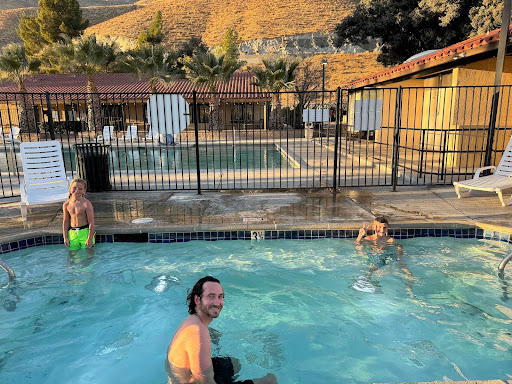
x,y
210,69
276,75
88,56
15,66
151,61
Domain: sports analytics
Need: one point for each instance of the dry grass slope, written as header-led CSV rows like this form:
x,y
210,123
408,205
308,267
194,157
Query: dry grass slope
x,y
9,19
253,19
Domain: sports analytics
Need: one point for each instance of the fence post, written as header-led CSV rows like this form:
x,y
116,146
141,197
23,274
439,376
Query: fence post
x,y
50,116
339,115
396,136
196,130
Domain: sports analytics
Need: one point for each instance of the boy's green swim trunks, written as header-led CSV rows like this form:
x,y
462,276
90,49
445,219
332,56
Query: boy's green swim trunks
x,y
78,238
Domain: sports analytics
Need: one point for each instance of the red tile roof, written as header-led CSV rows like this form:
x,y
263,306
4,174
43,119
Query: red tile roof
x,y
240,85
487,41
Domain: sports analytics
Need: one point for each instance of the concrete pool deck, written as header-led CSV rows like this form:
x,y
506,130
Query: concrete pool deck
x,y
176,211
186,211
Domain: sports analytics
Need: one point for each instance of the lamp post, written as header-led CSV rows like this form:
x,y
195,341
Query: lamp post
x,y
324,63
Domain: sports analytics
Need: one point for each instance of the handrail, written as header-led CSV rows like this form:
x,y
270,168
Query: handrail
x,y
501,268
7,268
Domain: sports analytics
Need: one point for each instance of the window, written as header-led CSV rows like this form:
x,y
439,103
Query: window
x,y
242,113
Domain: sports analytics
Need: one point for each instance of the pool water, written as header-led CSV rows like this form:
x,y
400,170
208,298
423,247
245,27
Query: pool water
x,y
177,158
290,308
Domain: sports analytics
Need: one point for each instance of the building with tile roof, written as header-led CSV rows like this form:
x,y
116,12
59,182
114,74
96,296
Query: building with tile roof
x,y
124,99
439,101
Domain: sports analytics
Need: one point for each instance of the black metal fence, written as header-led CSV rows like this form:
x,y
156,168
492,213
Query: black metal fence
x,y
233,141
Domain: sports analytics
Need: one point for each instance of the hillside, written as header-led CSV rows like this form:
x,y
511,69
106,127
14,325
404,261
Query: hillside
x,y
15,4
252,19
9,19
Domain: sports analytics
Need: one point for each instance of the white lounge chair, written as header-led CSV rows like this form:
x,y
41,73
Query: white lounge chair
x,y
152,134
108,134
131,133
12,136
500,180
44,175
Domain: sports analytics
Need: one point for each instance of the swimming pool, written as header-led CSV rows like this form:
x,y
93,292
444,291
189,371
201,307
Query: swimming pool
x,y
290,308
212,157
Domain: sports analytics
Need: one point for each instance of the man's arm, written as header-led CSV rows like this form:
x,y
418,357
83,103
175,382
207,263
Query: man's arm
x,y
199,352
65,223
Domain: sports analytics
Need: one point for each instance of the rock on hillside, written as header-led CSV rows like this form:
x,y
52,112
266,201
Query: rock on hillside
x,y
252,19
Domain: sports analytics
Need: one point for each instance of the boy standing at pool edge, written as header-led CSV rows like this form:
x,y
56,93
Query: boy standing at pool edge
x,y
78,221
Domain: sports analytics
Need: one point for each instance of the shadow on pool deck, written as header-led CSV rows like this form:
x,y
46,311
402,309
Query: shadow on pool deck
x,y
187,211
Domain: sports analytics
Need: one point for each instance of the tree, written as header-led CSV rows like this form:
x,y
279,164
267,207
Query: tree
x,y
194,46
29,31
486,17
151,61
209,69
276,75
153,35
15,66
88,56
406,27
54,19
230,45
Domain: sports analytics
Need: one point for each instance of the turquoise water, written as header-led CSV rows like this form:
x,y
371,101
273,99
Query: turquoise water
x,y
176,158
290,308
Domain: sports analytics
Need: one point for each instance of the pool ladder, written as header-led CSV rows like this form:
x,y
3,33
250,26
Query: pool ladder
x,y
501,268
7,269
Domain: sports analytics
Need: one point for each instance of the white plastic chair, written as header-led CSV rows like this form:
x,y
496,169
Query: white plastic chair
x,y
45,179
12,136
131,133
108,134
500,180
152,134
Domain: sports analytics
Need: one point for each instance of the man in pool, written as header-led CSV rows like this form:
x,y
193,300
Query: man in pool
x,y
78,221
189,353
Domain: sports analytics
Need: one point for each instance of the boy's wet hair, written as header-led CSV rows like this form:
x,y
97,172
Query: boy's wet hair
x,y
197,290
382,220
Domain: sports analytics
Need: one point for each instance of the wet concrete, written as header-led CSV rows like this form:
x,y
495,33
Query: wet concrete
x,y
320,209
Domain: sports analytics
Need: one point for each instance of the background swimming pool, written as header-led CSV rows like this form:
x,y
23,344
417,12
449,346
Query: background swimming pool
x,y
290,308
180,158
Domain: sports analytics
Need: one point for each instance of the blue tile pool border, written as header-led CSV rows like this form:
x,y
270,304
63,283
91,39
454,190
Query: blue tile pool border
x,y
300,234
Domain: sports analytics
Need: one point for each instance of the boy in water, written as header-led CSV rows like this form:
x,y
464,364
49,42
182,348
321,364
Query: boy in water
x,y
380,235
78,222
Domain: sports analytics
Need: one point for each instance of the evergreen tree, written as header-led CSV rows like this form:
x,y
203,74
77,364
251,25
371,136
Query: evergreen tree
x,y
153,35
406,27
230,45
54,19
29,31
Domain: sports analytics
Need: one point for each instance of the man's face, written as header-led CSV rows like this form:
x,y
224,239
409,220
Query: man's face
x,y
211,301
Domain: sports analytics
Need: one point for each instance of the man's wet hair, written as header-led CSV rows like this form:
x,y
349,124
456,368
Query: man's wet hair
x,y
197,290
382,220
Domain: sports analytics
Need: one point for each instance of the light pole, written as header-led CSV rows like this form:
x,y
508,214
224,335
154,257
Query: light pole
x,y
324,63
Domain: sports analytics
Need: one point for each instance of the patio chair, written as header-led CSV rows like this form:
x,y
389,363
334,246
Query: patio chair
x,y
108,134
44,175
131,133
152,134
12,136
500,180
